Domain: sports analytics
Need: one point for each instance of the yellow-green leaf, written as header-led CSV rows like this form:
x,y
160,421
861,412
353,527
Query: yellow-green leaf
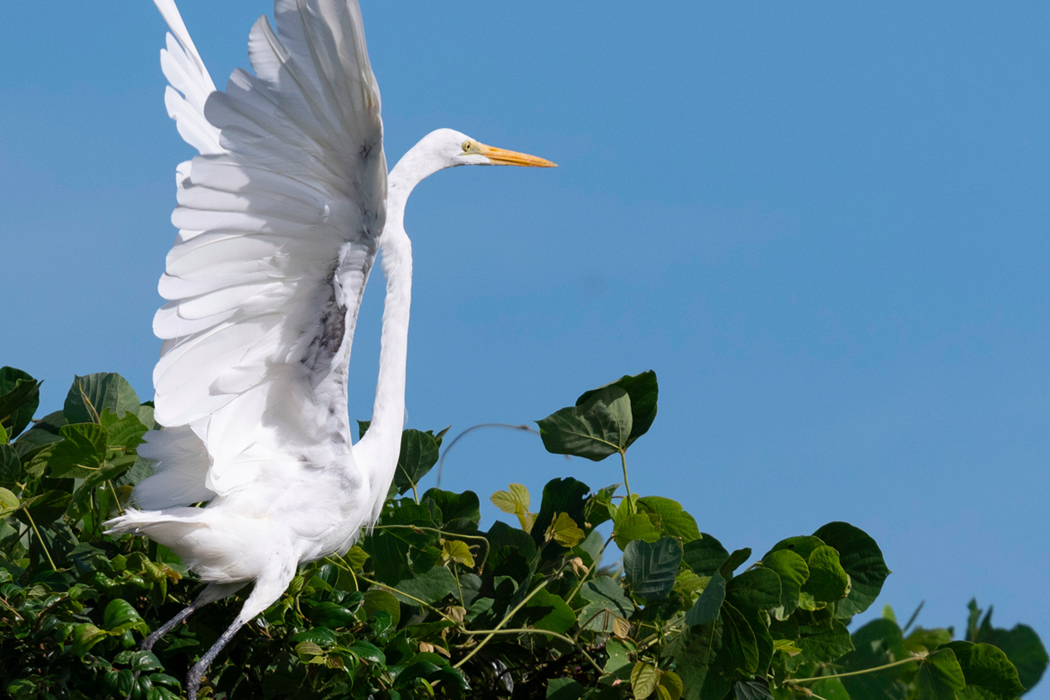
x,y
644,679
457,551
564,531
8,503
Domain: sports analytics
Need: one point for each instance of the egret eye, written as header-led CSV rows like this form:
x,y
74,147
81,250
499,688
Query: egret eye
x,y
466,146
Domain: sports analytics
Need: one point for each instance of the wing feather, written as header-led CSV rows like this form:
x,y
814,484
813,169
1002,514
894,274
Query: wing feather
x,y
279,218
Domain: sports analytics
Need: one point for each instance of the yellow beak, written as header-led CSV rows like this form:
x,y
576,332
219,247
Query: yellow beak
x,y
501,156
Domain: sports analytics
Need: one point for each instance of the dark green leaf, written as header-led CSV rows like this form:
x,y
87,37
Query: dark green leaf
x,y
464,507
738,640
753,690
567,496
643,391
378,600
756,589
10,465
708,605
595,429
987,667
430,587
81,452
802,546
651,567
19,398
605,599
1021,644
47,507
939,676
419,454
862,559
555,614
704,556
738,557
564,689
91,395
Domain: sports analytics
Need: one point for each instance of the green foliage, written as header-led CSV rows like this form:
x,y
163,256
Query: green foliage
x,y
431,605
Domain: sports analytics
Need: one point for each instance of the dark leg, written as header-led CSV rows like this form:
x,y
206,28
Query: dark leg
x,y
267,590
193,678
214,591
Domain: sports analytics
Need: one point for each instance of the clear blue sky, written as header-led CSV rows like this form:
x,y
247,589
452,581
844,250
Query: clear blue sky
x,y
823,225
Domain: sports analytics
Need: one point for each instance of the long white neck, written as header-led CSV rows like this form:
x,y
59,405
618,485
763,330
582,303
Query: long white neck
x,y
377,452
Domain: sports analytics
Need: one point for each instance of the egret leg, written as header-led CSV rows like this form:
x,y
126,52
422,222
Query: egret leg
x,y
213,592
266,591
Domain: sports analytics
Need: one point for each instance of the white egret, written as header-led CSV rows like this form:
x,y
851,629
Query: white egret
x,y
280,217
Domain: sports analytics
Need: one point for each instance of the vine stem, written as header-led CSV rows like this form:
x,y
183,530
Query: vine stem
x,y
899,662
626,485
530,630
441,532
504,621
43,545
593,565
441,463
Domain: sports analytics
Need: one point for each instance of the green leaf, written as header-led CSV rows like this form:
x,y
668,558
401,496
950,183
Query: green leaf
x,y
379,600
704,556
8,503
606,601
694,652
594,429
793,572
564,689
125,433
827,581
634,526
877,643
708,605
674,521
557,615
651,567
419,454
430,587
19,398
644,679
830,689
1021,644
10,465
738,557
80,454
826,644
46,507
121,616
862,559
756,589
987,667
672,683
329,614
91,395
939,676
459,510
754,690
738,639
643,391
567,496
85,636
564,531
802,546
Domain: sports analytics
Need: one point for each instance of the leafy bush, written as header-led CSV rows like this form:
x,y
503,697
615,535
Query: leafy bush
x,y
429,605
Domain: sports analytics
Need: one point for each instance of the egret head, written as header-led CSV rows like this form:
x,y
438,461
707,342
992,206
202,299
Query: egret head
x,y
454,148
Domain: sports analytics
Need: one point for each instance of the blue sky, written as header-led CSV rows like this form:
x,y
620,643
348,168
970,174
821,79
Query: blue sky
x,y
823,225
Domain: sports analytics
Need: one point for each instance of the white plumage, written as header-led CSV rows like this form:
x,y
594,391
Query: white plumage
x,y
280,218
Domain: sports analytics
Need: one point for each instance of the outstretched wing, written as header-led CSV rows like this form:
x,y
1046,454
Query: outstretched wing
x,y
279,218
